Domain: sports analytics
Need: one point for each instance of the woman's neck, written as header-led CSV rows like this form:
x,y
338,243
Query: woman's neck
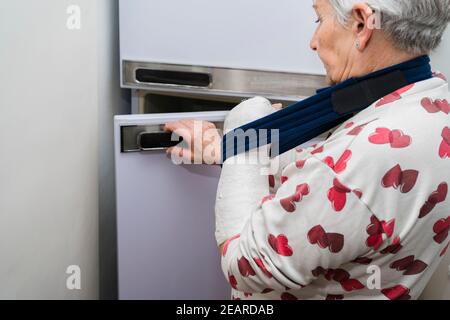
x,y
372,59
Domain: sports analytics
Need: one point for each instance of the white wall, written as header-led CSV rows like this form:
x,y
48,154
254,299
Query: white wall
x,y
112,101
439,286
54,85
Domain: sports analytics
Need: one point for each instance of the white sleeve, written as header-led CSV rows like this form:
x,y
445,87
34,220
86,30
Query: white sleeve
x,y
240,182
313,223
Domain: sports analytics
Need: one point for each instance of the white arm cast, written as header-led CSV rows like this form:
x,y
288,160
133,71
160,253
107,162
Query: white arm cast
x,y
241,186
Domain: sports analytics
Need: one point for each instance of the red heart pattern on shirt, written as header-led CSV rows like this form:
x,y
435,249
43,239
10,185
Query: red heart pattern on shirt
x,y
358,193
444,149
388,99
280,245
439,75
349,125
376,230
272,181
333,241
300,164
289,204
394,96
317,235
232,281
396,138
393,248
334,297
398,292
267,198
341,164
351,285
227,243
441,229
288,296
322,271
358,129
409,266
263,268
245,268
337,195
267,290
435,106
318,150
399,179
444,251
363,260
434,199
339,275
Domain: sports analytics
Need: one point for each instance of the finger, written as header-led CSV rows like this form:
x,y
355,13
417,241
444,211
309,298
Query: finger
x,y
173,126
211,135
188,123
197,126
181,130
278,106
197,130
185,129
181,153
209,125
170,126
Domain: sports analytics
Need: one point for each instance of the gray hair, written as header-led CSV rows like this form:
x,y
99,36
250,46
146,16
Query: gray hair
x,y
415,26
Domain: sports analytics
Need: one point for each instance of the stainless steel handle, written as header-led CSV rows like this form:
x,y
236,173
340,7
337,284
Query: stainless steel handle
x,y
141,138
150,141
219,82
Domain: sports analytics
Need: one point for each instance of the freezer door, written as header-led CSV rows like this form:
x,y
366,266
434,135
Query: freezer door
x,y
165,220
251,34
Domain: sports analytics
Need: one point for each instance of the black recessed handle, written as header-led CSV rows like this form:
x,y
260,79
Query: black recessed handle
x,y
173,77
157,140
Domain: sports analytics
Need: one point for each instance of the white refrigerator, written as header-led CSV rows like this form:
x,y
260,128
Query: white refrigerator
x,y
193,59
182,58
166,244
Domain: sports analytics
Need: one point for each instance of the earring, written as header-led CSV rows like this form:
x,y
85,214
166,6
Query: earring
x,y
357,44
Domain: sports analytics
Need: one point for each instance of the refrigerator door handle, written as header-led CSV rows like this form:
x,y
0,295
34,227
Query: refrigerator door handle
x,y
141,134
161,140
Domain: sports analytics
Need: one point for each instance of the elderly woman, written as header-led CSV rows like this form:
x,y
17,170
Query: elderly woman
x,y
364,214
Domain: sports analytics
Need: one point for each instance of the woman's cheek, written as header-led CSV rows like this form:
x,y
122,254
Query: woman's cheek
x,y
325,57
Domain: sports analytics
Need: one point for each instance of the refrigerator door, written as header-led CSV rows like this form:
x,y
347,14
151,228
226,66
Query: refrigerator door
x,y
165,220
251,34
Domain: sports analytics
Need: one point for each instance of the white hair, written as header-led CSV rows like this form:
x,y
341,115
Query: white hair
x,y
415,26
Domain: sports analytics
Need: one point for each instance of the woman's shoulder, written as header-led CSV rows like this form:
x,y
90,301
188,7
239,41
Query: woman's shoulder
x,y
409,121
409,129
410,133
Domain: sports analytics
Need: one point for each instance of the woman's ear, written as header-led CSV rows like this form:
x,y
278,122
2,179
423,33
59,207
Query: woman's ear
x,y
362,25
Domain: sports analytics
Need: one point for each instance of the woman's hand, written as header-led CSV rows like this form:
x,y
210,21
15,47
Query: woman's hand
x,y
201,142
